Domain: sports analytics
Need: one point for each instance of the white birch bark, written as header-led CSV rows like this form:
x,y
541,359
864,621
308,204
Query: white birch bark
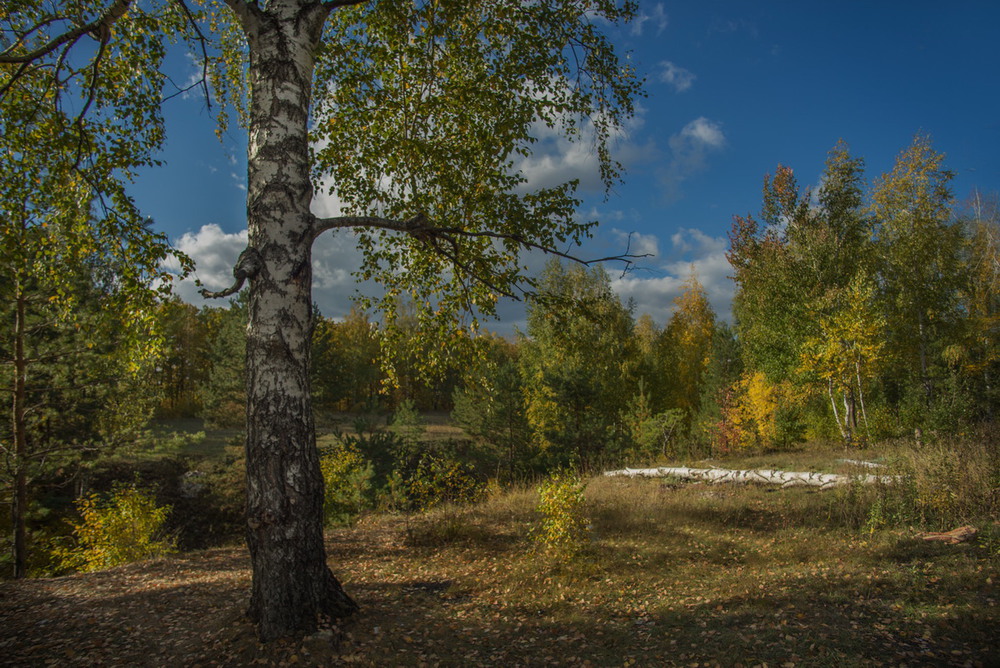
x,y
292,584
764,476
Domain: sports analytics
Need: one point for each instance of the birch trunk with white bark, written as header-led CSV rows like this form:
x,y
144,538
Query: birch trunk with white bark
x,y
292,584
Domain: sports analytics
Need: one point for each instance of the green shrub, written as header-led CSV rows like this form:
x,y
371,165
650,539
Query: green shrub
x,y
347,483
563,530
407,422
437,480
126,526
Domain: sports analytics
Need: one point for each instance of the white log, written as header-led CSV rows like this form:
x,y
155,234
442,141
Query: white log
x,y
858,462
783,478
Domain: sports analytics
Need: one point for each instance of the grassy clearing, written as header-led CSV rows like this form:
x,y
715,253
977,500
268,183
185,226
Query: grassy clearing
x,y
673,575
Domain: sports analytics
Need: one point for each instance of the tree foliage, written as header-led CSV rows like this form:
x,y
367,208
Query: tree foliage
x,y
575,364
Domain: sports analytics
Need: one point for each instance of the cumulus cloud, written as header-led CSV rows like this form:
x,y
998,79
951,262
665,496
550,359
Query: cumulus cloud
x,y
555,159
214,253
690,149
681,79
654,288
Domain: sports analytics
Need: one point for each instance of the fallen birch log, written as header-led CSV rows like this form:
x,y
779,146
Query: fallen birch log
x,y
858,462
959,535
783,478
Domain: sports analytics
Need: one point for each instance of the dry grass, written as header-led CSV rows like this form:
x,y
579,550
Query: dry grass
x,y
674,575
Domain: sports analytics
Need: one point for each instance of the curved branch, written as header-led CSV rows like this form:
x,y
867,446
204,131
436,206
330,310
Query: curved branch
x,y
247,266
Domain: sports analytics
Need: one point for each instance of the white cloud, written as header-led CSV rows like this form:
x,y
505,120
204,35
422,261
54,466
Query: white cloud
x,y
690,149
678,77
654,288
555,159
701,132
214,253
658,17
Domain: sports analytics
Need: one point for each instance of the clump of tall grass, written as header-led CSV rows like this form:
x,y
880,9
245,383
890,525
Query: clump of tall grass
x,y
940,484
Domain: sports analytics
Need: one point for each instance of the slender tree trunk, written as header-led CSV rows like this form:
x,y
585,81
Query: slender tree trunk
x,y
836,414
925,379
292,584
861,396
19,501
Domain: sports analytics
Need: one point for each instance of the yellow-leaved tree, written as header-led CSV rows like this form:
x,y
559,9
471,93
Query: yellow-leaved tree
x,y
847,352
686,348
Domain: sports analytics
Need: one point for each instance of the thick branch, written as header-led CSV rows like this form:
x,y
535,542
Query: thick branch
x,y
333,4
247,266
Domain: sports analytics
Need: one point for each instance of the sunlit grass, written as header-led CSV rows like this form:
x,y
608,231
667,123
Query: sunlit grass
x,y
673,574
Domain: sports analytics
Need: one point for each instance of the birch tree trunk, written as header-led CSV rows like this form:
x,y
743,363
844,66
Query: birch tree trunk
x,y
292,584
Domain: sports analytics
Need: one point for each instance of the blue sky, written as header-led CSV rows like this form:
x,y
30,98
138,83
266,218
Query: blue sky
x,y
735,88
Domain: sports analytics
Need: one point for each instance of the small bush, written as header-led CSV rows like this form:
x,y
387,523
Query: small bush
x,y
433,481
127,526
563,530
437,480
347,483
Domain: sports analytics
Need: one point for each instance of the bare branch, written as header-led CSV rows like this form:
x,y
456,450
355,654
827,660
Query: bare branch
x,y
22,38
202,41
420,228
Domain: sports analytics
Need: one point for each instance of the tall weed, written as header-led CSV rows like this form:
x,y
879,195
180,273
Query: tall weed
x,y
936,485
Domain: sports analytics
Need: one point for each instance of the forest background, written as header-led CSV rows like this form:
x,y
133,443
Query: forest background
x,y
865,311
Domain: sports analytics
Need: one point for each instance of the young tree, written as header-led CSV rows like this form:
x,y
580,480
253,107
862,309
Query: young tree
x,y
686,348
421,111
847,352
490,403
771,302
577,363
919,246
980,349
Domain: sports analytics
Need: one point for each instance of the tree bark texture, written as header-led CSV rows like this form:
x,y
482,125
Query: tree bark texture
x,y
292,584
783,478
